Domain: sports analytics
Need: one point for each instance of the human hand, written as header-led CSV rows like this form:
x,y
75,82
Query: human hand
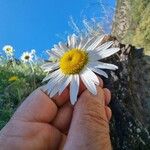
x,y
41,123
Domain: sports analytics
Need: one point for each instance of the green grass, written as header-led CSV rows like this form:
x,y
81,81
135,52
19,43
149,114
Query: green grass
x,y
138,33
12,93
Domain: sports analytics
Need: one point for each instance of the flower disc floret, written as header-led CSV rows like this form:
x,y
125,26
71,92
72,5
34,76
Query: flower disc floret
x,y
73,61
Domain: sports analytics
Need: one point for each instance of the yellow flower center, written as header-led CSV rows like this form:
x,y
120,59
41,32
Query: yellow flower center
x,y
73,61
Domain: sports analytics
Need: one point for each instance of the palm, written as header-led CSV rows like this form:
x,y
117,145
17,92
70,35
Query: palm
x,y
39,136
41,123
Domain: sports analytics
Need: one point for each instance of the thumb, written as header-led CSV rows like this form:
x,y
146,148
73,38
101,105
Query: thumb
x,y
89,127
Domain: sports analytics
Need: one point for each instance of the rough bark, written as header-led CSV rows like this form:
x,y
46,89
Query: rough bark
x,y
130,100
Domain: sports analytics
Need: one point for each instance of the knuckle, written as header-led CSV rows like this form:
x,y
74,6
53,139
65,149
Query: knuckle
x,y
91,110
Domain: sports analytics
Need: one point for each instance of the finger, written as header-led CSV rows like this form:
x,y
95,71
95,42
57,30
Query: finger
x,y
63,141
63,118
37,107
108,113
101,82
107,96
87,98
61,99
82,87
89,122
52,138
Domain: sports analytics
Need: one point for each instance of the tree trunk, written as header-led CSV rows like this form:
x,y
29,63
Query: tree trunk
x,y
130,86
130,100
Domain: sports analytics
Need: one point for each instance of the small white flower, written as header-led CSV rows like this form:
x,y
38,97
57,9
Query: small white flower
x,y
8,49
33,51
77,60
27,57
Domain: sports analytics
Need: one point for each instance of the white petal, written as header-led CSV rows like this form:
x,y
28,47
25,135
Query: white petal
x,y
55,90
81,43
48,68
93,56
63,46
65,84
55,67
97,64
73,41
58,51
55,76
95,43
74,89
47,65
92,75
104,46
52,75
54,54
46,78
54,81
88,83
100,72
69,41
57,47
88,42
108,52
77,42
44,88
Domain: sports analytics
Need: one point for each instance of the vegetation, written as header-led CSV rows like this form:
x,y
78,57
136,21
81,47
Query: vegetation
x,y
139,27
17,81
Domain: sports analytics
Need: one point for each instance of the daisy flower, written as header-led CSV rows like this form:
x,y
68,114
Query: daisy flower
x,y
8,49
27,57
77,61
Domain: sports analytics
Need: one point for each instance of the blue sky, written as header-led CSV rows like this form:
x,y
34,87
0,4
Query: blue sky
x,y
28,24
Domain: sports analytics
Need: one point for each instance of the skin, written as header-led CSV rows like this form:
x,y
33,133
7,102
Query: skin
x,y
41,123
